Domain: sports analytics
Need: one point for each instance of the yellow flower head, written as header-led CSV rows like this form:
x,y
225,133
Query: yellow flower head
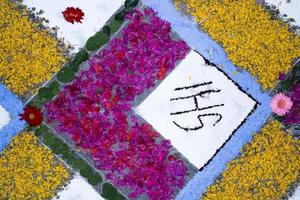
x,y
29,170
28,56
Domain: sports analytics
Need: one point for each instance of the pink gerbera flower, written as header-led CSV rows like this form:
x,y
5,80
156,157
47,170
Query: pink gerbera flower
x,y
281,104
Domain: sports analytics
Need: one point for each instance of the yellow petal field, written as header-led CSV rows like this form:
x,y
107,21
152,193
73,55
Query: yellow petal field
x,y
28,55
251,39
269,164
29,170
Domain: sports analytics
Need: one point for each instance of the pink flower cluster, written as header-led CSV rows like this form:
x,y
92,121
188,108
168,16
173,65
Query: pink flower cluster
x,y
96,109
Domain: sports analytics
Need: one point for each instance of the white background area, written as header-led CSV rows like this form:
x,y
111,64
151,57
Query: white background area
x,y
291,9
296,195
78,189
197,146
4,117
97,12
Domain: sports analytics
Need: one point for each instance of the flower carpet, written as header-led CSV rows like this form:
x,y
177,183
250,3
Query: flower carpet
x,y
158,100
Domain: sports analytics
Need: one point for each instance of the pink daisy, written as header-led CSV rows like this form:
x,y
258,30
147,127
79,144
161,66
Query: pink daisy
x,y
281,104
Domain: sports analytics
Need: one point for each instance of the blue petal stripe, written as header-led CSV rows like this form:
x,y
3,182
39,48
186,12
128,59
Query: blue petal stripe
x,y
14,107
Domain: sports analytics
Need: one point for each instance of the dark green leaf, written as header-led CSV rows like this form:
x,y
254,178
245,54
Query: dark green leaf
x,y
67,155
80,57
114,26
96,41
86,171
120,16
108,191
48,139
70,160
75,68
286,85
106,30
92,44
55,144
29,129
102,38
36,102
64,148
94,179
45,93
41,130
80,164
55,148
37,133
278,118
66,75
54,87
119,197
70,157
59,142
130,4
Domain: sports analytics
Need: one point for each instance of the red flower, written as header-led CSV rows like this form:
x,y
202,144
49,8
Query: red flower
x,y
72,14
33,116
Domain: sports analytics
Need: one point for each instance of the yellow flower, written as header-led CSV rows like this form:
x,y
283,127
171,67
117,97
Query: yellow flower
x,y
252,40
29,170
269,164
28,56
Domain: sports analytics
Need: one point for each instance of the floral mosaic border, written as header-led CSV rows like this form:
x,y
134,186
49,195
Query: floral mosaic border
x,y
188,30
